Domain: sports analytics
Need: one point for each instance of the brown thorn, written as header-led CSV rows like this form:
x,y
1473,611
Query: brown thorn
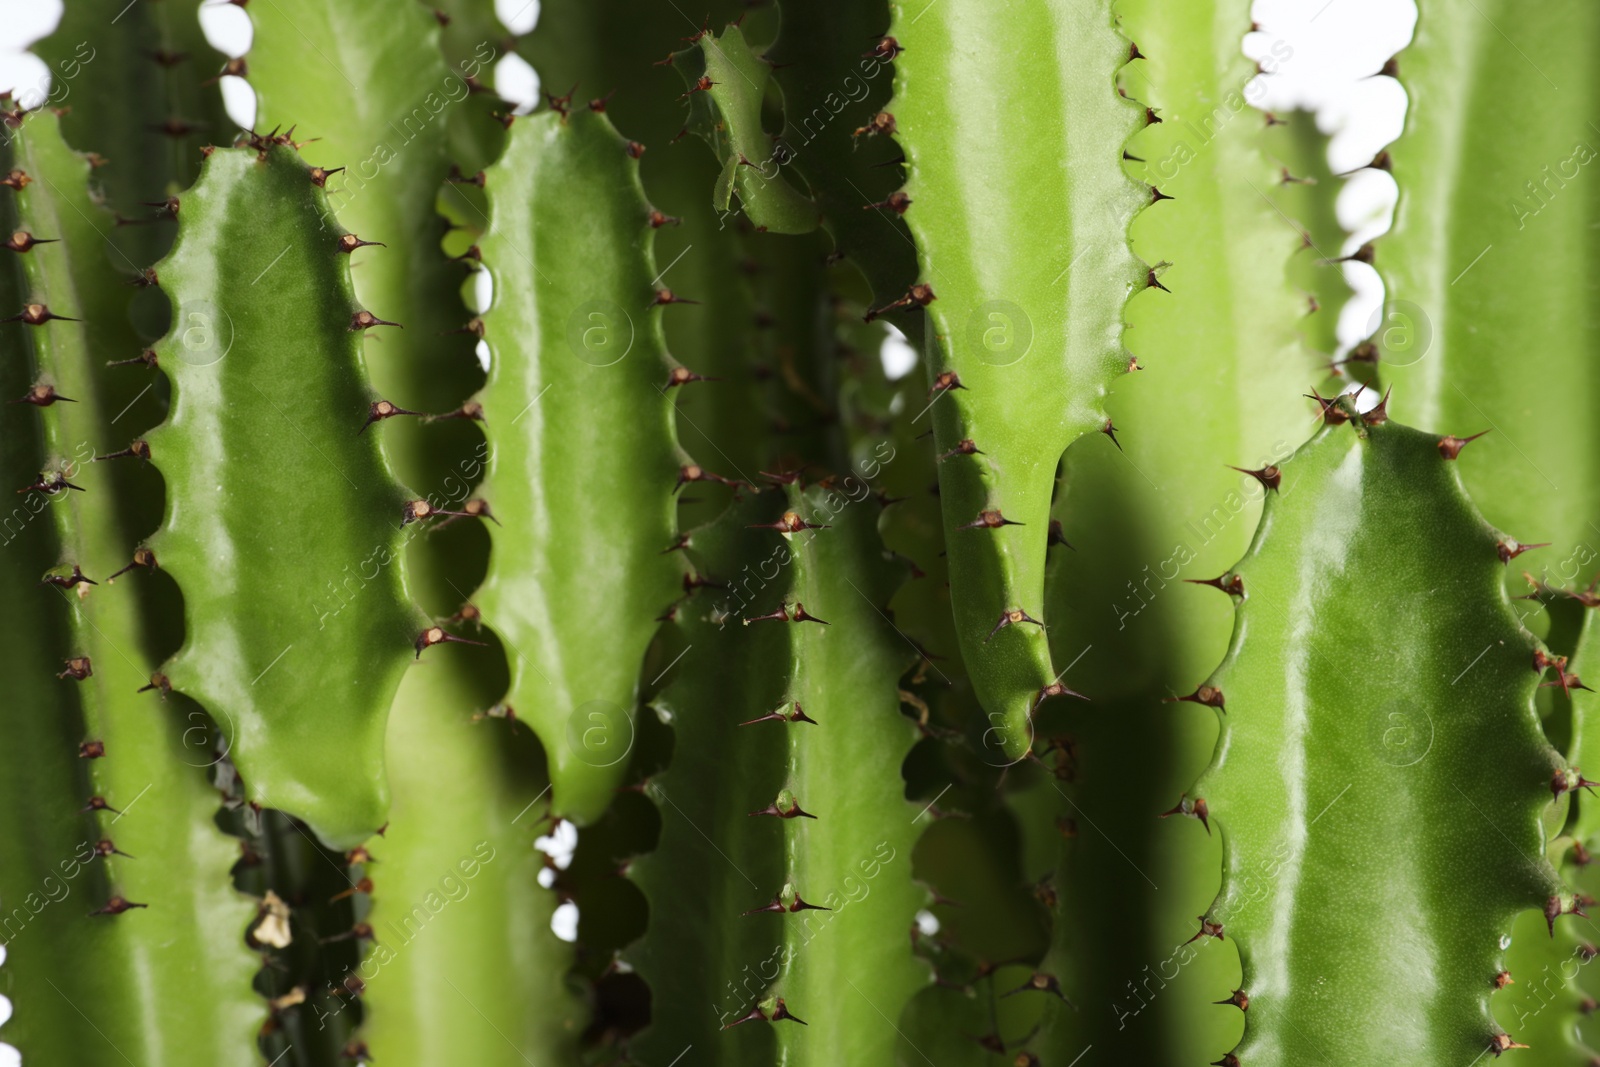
x,y
435,635
1194,809
67,581
365,320
42,396
1012,617
37,315
1450,446
1232,584
116,906
990,520
1209,695
379,410
1269,476
349,242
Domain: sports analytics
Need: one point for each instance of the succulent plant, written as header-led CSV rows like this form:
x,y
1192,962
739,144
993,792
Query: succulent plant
x,y
477,593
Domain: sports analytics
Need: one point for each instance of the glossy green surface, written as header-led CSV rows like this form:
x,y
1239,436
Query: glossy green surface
x,y
169,981
726,84
1023,243
850,971
1329,761
582,464
283,522
847,972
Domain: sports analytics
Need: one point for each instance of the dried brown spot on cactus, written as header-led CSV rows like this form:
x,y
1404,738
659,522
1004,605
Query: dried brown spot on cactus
x,y
1207,929
91,749
78,668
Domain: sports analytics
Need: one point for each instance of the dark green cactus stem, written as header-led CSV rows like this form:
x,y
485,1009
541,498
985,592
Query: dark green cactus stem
x,y
1321,771
784,797
613,49
117,909
140,89
1477,268
579,413
264,356
1024,270
726,84
836,70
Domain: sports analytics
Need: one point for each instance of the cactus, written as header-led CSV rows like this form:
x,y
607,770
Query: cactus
x,y
1130,626
1470,268
1345,514
139,88
282,292
580,447
108,805
1008,332
793,874
913,780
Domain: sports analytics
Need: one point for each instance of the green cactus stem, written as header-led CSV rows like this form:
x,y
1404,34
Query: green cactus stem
x,y
115,905
463,960
581,451
1024,270
297,514
392,140
1130,627
785,850
1322,769
726,84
